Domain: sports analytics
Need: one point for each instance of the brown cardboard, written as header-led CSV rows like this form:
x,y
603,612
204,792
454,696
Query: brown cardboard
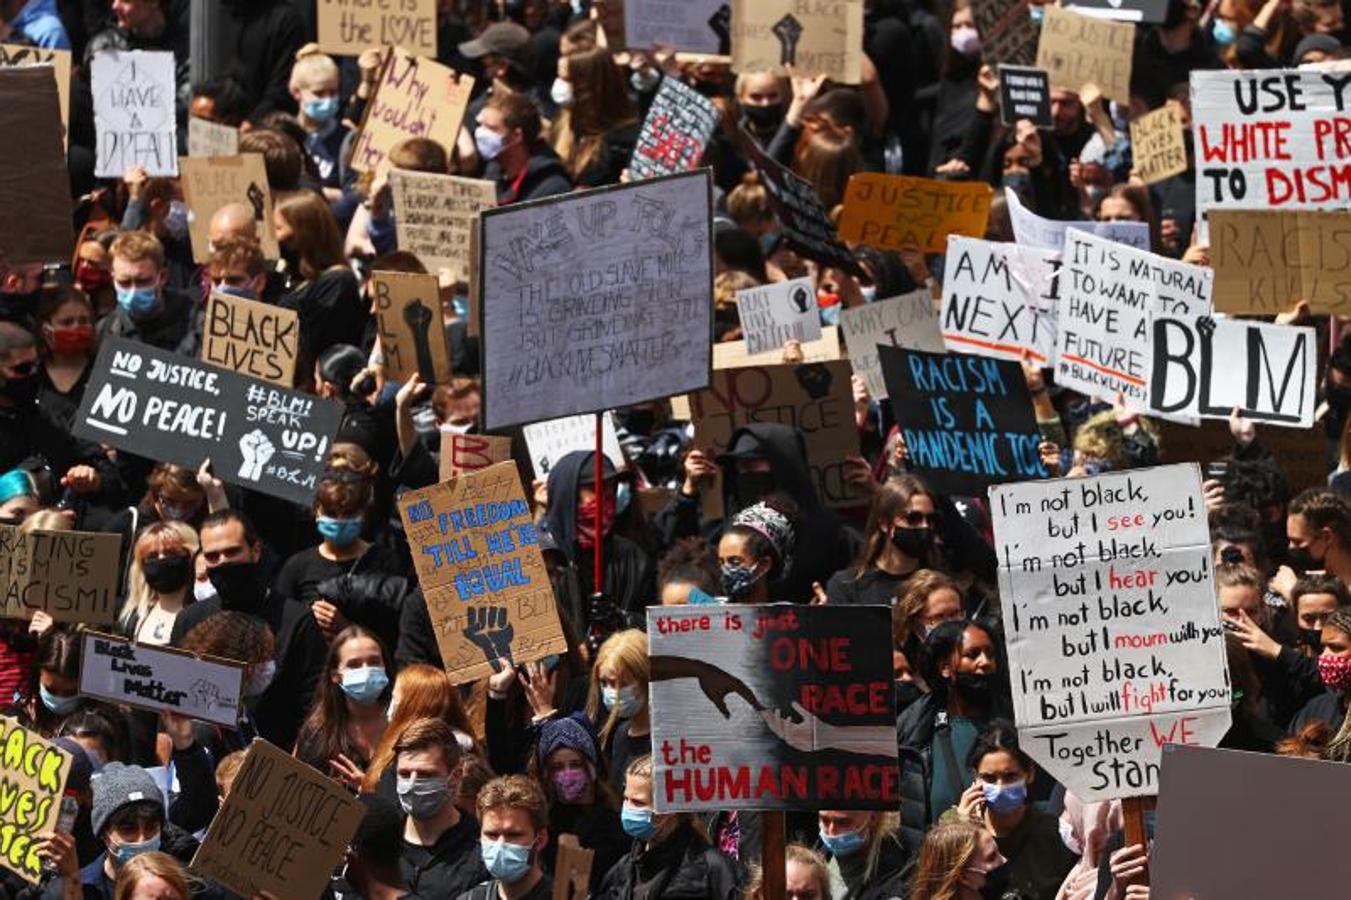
x,y
1076,50
346,28
251,338
414,97
71,575
1157,145
34,179
21,55
1266,261
436,216
210,182
896,212
412,335
819,38
462,453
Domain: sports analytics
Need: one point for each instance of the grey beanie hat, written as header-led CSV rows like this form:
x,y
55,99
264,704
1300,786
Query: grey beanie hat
x,y
118,786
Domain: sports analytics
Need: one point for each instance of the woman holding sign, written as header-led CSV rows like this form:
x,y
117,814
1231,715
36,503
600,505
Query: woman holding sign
x,y
345,725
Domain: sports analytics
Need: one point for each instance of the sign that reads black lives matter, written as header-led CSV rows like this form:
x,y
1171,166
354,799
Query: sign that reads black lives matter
x,y
596,300
171,408
1024,93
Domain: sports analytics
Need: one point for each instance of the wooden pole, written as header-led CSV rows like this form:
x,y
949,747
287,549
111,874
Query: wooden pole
x,y
1133,812
772,859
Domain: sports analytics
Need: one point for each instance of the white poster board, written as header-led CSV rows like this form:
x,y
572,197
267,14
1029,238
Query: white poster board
x,y
1032,230
906,321
1109,294
596,300
999,299
1205,367
134,116
157,678
773,314
547,442
1114,637
690,26
1270,139
206,138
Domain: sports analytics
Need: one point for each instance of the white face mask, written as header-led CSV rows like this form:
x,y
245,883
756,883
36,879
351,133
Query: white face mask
x,y
203,590
488,142
561,92
457,427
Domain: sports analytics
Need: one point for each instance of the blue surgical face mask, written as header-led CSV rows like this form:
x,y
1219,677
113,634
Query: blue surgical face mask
x,y
55,703
366,684
231,290
508,863
137,302
869,292
1223,32
846,844
637,823
488,142
176,220
125,853
550,662
629,703
1004,799
320,110
830,315
341,533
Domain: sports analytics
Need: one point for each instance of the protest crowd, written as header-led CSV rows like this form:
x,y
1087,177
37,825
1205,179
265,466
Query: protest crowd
x,y
810,449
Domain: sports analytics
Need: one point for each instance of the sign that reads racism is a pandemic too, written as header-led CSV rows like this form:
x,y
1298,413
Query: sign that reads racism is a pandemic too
x,y
772,707
1114,637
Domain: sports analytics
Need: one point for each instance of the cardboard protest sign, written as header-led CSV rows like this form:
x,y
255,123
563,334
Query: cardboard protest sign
x,y
1032,230
1157,145
806,223
1123,10
547,442
462,453
206,138
1190,857
168,407
478,561
999,300
1267,260
34,772
436,216
70,575
597,299
22,55
1109,293
967,420
572,869
1210,440
773,314
694,26
895,212
347,28
1270,139
678,127
1076,50
1114,637
821,38
210,182
134,116
1008,34
161,679
252,338
907,321
1024,93
731,354
35,180
772,707
1205,367
816,398
414,97
283,828
412,335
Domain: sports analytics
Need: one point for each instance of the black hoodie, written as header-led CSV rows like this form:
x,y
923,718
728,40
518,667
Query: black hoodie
x,y
544,176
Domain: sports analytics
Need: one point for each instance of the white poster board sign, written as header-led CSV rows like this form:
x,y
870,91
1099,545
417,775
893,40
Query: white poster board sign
x,y
999,299
907,321
1032,230
547,442
690,26
773,314
1108,295
159,679
1114,636
134,117
1205,367
596,300
1270,139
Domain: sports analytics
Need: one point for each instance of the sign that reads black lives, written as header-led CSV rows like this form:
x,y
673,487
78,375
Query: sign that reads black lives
x,y
967,420
174,409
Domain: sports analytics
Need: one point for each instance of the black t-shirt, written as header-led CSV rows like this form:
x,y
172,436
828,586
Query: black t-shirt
x,y
624,750
302,574
448,868
874,586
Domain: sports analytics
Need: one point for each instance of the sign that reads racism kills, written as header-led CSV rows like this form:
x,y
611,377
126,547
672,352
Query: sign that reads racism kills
x,y
1266,259
171,408
772,707
967,420
477,556
596,300
1114,637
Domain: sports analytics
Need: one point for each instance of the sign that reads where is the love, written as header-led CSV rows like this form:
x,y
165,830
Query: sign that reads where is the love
x,y
477,556
349,27
161,679
771,315
1114,636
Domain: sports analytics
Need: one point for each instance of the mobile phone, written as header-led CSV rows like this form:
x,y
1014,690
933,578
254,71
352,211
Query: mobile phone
x,y
1217,470
70,809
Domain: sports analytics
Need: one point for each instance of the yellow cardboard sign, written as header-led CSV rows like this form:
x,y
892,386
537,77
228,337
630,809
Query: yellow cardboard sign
x,y
895,212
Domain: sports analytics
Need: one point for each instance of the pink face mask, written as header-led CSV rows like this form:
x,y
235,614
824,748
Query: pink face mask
x,y
571,784
1335,671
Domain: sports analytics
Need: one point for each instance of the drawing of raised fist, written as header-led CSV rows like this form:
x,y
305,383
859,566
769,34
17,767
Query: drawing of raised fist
x,y
492,633
256,450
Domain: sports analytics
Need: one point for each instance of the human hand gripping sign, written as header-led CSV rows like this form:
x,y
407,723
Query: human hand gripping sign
x,y
256,449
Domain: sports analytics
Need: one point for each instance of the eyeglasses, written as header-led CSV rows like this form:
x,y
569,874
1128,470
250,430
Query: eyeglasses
x,y
920,520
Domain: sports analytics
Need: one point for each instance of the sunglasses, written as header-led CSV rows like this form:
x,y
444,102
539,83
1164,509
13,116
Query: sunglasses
x,y
921,520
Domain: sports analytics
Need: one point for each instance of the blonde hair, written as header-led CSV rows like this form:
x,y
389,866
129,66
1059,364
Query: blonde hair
x,y
311,65
135,246
166,536
45,519
793,853
945,851
152,865
627,652
1101,438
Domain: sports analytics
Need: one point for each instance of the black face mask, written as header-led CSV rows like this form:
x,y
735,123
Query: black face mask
x,y
640,421
1313,637
764,118
167,574
22,391
907,692
913,542
753,486
238,584
974,685
1301,560
1338,398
